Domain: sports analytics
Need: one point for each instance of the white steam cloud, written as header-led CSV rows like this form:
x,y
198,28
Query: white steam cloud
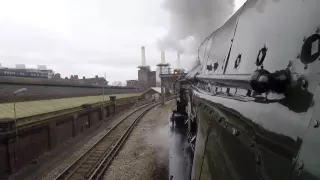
x,y
191,21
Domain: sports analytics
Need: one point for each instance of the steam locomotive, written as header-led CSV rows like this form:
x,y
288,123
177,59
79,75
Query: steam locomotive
x,y
251,108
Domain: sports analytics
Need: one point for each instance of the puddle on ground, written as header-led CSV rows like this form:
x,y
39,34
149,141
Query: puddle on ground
x,y
173,151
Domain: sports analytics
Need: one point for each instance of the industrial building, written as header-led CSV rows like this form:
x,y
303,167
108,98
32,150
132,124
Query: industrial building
x,y
152,93
21,71
94,81
133,83
146,77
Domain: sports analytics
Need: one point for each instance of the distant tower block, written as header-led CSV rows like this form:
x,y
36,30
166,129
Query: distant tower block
x,y
178,60
143,56
163,57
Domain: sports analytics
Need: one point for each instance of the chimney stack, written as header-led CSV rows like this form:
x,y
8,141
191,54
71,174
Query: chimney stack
x,y
163,57
143,56
178,60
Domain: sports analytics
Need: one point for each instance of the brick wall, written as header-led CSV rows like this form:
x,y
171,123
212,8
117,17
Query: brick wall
x,y
30,145
4,166
64,128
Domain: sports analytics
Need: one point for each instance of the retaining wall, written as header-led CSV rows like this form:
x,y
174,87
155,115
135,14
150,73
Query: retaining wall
x,y
38,89
37,138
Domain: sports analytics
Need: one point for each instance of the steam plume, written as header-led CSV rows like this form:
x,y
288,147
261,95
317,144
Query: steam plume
x,y
191,21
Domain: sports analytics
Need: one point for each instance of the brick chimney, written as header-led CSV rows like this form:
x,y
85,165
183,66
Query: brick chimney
x,y
96,76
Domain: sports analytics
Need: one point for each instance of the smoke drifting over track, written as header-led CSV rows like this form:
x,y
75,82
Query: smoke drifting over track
x,y
191,21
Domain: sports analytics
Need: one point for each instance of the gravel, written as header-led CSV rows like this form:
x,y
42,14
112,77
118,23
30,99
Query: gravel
x,y
145,153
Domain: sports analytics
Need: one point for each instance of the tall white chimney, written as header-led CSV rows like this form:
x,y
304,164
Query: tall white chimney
x,y
178,60
163,57
143,56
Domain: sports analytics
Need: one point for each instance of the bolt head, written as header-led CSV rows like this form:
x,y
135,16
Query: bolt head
x,y
316,124
252,144
299,165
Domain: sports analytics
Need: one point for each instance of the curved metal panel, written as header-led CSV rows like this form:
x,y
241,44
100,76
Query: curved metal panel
x,y
307,165
254,140
267,128
200,144
213,52
280,26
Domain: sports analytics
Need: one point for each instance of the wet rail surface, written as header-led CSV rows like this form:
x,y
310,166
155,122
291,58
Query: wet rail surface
x,y
93,163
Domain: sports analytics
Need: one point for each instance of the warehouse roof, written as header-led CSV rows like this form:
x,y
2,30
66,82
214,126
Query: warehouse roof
x,y
154,89
158,89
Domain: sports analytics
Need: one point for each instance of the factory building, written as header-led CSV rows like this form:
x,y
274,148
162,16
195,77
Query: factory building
x,y
94,81
21,71
133,83
146,77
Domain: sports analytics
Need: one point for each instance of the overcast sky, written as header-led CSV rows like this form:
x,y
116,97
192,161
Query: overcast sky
x,y
84,37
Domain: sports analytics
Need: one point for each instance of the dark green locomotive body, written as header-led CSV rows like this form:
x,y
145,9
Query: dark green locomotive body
x,y
252,104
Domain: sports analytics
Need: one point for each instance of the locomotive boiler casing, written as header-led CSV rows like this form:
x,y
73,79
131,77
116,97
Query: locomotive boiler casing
x,y
253,104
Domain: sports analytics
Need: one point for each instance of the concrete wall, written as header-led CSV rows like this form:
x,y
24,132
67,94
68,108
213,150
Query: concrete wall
x,y
146,78
30,145
4,166
143,78
35,139
37,92
64,128
50,89
152,79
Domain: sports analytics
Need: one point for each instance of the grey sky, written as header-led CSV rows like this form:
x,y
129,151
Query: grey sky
x,y
84,37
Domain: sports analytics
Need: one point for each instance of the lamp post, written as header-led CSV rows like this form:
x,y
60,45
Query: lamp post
x,y
15,93
104,84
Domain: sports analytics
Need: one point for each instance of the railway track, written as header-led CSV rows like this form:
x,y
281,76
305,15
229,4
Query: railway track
x,y
93,163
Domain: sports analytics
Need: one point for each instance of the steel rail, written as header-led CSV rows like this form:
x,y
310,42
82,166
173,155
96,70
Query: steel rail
x,y
101,168
84,157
